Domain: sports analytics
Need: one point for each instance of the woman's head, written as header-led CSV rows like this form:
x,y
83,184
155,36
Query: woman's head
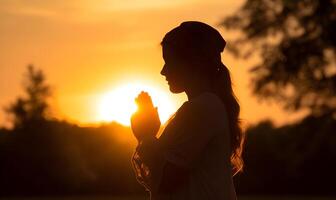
x,y
193,51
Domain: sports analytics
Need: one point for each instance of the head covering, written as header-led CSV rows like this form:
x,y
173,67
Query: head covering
x,y
196,42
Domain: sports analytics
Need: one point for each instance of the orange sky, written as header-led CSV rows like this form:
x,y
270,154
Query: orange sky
x,y
87,49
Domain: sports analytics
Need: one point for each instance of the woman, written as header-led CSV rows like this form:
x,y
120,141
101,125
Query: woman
x,y
200,148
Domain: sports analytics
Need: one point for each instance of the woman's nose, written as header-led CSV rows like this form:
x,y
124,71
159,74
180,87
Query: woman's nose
x,y
163,71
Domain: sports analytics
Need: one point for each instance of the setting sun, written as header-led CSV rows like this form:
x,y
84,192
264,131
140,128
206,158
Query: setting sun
x,y
118,104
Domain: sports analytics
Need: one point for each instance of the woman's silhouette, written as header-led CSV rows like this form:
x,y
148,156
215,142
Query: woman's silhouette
x,y
199,150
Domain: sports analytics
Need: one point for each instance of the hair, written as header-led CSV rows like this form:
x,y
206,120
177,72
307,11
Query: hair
x,y
201,45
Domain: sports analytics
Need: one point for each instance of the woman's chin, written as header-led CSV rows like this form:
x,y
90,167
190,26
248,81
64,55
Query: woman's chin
x,y
175,90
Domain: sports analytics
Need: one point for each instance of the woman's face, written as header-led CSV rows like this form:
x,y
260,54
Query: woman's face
x,y
176,71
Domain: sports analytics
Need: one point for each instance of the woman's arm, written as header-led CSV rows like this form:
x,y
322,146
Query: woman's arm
x,y
166,176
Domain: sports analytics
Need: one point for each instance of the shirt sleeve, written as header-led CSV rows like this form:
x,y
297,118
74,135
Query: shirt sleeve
x,y
148,161
202,120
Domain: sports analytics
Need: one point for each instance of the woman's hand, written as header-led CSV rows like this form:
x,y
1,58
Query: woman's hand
x,y
145,122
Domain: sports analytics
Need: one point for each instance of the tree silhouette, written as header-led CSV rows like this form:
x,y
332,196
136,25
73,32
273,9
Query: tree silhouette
x,y
296,42
33,106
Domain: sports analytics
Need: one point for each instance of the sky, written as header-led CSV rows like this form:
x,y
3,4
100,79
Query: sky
x,y
89,48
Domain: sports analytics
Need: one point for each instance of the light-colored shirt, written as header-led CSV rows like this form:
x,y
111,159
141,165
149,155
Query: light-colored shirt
x,y
197,138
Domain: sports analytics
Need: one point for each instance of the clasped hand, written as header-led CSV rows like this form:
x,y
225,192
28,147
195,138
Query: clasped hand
x,y
145,122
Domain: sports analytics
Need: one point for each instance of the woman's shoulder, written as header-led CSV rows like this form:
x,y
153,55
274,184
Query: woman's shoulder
x,y
205,105
207,109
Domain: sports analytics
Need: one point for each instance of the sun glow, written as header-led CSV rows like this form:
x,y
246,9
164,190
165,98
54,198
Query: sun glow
x,y
118,104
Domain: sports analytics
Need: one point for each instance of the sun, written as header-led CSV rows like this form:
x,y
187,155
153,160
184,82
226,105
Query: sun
x,y
118,104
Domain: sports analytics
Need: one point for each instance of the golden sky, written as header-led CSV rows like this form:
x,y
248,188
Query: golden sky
x,y
88,48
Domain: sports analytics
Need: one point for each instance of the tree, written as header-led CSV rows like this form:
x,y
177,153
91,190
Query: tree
x,y
296,43
34,106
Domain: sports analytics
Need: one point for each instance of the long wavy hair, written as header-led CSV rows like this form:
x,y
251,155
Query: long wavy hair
x,y
200,45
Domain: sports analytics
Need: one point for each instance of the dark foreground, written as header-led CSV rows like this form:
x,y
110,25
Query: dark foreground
x,y
145,198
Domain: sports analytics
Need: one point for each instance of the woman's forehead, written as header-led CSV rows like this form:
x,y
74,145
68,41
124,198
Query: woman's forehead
x,y
168,52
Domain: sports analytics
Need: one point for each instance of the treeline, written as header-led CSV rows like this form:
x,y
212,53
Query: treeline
x,y
44,156
293,159
58,158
